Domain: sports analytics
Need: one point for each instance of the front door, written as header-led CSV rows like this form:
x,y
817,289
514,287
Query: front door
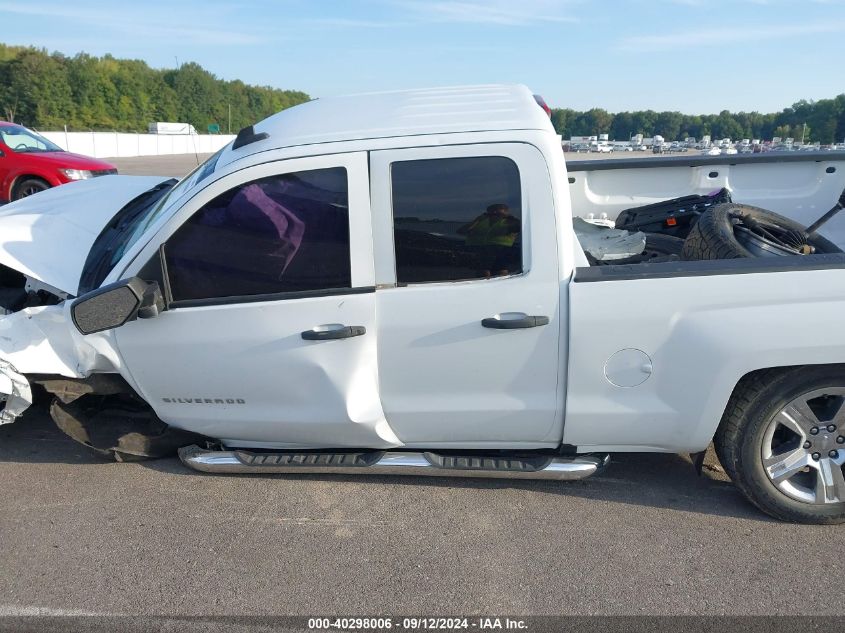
x,y
270,335
468,295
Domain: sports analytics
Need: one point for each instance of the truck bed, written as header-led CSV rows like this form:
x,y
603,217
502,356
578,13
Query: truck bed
x,y
799,185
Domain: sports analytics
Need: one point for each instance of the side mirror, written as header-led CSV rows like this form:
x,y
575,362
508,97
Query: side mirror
x,y
118,303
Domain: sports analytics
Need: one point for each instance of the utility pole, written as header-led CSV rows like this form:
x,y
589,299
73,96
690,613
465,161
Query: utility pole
x,y
230,118
803,129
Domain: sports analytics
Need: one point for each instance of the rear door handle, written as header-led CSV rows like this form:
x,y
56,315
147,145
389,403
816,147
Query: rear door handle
x,y
514,321
333,331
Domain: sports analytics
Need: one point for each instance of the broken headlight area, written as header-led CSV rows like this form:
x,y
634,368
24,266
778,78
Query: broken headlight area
x,y
15,393
17,291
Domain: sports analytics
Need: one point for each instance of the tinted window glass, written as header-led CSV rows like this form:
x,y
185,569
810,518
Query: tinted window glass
x,y
286,233
456,219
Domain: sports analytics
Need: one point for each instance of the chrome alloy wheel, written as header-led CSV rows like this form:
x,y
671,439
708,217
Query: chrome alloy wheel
x,y
804,447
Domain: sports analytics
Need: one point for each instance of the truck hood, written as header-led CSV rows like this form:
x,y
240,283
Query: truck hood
x,y
47,236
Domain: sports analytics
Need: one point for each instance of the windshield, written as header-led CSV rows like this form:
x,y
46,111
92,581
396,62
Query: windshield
x,y
119,235
132,221
21,140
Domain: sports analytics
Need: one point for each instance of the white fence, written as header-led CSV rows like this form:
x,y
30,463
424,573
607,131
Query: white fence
x,y
118,145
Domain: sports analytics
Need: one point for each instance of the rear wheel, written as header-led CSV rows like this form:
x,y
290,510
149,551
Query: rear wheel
x,y
782,442
28,187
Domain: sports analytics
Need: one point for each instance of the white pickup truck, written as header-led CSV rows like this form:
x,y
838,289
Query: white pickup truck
x,y
393,284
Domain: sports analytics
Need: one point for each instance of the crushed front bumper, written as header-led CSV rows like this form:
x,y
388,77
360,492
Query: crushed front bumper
x,y
15,393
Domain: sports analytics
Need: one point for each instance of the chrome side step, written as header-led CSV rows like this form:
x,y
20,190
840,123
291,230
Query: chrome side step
x,y
558,467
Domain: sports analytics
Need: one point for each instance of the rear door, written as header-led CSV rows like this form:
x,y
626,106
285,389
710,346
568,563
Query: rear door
x,y
270,335
468,295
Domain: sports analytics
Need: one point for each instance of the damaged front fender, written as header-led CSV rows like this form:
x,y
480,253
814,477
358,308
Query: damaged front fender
x,y
41,341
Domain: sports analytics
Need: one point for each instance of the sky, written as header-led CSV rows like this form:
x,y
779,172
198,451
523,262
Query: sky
x,y
695,56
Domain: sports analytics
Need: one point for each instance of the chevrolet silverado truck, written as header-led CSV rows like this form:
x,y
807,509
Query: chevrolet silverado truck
x,y
396,283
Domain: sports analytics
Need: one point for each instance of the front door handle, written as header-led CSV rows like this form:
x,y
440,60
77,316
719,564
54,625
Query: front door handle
x,y
333,331
514,321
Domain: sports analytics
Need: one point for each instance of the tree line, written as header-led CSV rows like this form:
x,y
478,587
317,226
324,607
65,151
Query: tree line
x,y
50,90
815,121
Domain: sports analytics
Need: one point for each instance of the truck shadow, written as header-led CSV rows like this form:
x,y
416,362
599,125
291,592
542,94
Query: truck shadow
x,y
654,480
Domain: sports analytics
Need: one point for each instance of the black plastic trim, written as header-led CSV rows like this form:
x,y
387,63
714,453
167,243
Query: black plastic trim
x,y
135,285
515,324
276,296
333,335
355,459
247,135
168,293
696,161
501,463
705,268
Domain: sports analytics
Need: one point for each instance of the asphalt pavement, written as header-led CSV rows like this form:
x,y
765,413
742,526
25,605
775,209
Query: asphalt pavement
x,y
175,165
647,536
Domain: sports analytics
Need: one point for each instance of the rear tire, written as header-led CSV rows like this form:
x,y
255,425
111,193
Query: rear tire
x,y
28,187
761,409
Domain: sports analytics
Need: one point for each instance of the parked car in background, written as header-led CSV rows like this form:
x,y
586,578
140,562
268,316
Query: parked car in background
x,y
29,163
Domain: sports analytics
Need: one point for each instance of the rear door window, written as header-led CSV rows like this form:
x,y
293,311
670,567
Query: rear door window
x,y
456,219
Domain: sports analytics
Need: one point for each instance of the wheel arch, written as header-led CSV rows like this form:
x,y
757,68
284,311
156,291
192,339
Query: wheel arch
x,y
51,181
764,373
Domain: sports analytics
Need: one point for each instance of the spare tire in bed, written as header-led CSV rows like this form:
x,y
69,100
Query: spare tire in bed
x,y
730,231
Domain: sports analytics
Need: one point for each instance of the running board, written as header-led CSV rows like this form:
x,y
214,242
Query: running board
x,y
556,467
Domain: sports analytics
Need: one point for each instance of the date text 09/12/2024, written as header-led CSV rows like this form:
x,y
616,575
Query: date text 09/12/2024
x,y
417,624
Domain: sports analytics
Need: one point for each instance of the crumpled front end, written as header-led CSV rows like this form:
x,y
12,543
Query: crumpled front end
x,y
15,393
39,341
29,309
91,402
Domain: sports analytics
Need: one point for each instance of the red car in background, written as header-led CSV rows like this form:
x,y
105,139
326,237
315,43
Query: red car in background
x,y
29,163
